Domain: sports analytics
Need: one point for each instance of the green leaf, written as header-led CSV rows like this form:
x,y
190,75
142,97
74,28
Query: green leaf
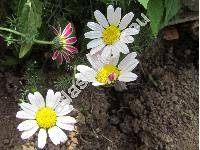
x,y
143,3
29,14
25,48
155,10
172,7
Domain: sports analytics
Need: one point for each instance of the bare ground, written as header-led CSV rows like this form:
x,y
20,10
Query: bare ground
x,y
158,111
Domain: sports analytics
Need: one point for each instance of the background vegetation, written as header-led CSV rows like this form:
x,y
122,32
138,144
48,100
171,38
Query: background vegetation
x,y
25,27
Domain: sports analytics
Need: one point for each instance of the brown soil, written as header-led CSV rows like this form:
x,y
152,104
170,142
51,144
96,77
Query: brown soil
x,y
158,111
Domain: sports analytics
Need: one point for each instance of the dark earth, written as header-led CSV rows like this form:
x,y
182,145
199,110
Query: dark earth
x,y
159,111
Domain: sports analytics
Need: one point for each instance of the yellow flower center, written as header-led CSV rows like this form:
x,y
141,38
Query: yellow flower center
x,y
111,34
59,42
108,74
46,117
62,41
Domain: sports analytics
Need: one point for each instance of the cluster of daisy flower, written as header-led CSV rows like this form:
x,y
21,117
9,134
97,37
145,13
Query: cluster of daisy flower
x,y
109,38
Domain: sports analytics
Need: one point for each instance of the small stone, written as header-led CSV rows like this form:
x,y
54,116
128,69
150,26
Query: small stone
x,y
6,141
135,125
174,98
136,107
166,138
171,34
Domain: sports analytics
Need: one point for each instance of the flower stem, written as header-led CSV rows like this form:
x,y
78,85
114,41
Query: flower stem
x,y
12,31
23,35
43,42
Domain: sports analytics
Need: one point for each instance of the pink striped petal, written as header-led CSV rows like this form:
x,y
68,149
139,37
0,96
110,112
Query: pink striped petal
x,y
67,31
55,31
71,49
55,54
60,59
68,26
66,56
60,30
71,40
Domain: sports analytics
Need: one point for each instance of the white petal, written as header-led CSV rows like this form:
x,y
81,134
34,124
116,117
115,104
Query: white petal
x,y
27,125
97,49
95,83
95,26
101,18
131,65
130,31
40,99
126,20
110,14
122,47
94,61
128,63
85,77
33,100
106,53
56,135
62,135
53,135
127,77
94,43
117,16
66,119
23,115
50,98
115,50
57,98
81,76
29,133
68,127
64,110
114,60
93,34
28,108
87,71
83,68
42,138
63,106
126,39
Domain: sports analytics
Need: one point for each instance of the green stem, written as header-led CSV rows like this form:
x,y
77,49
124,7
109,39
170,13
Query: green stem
x,y
43,42
23,35
12,31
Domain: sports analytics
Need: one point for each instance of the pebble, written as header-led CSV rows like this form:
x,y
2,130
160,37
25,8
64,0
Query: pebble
x,y
174,98
6,141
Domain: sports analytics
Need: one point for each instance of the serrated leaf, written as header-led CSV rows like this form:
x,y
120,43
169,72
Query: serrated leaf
x,y
143,3
29,14
155,10
172,7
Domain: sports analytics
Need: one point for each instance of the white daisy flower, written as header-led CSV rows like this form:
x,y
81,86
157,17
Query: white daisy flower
x,y
49,116
108,72
110,35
